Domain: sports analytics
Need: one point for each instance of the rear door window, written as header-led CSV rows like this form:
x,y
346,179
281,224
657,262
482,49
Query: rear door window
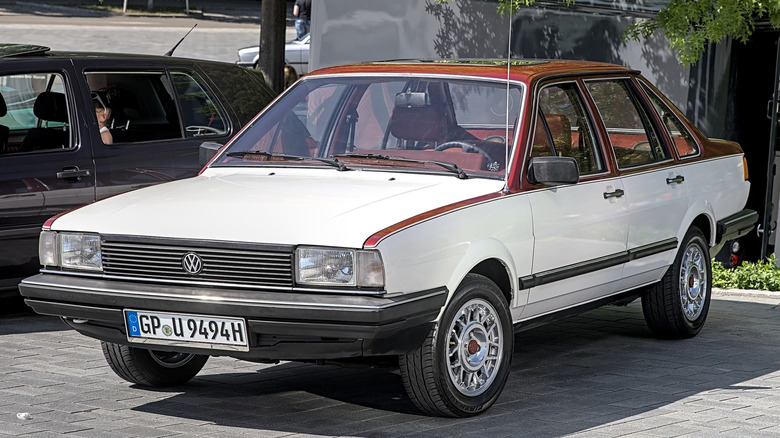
x,y
631,133
36,113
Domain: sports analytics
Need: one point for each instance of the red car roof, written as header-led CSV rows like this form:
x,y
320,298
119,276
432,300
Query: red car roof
x,y
523,70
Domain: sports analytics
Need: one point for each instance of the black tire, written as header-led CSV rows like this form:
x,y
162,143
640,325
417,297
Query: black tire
x,y
677,306
152,368
477,313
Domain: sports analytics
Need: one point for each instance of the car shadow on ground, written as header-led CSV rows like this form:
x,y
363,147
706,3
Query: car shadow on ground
x,y
587,372
17,318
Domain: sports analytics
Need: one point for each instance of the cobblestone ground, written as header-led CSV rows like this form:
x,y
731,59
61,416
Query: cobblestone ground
x,y
600,374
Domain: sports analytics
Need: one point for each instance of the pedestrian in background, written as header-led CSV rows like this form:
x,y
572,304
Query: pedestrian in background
x,y
302,12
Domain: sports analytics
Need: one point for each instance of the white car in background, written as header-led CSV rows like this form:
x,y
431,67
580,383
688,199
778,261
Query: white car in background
x,y
296,55
421,211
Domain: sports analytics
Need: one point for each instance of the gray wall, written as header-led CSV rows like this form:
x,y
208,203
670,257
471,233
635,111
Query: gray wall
x,y
346,31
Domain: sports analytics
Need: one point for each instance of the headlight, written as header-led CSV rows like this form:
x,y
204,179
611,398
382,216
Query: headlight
x,y
339,267
80,251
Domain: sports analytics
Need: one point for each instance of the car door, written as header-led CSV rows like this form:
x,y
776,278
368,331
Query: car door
x,y
580,230
46,164
159,117
655,188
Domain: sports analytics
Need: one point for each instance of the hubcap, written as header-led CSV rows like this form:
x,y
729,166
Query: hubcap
x,y
475,347
693,282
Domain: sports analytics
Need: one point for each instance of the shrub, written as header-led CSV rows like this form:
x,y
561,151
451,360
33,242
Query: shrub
x,y
763,275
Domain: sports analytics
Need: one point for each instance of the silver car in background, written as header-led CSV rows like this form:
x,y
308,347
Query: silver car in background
x,y
296,55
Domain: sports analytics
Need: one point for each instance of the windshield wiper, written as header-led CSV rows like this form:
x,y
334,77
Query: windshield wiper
x,y
264,154
269,156
449,166
333,162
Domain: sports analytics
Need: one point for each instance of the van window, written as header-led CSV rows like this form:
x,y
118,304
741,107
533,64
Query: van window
x,y
142,105
201,116
35,115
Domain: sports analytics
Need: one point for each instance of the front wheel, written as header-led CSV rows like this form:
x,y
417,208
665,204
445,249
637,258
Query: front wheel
x,y
152,368
462,366
677,307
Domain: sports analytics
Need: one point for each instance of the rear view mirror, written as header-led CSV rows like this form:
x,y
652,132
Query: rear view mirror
x,y
412,100
553,170
207,151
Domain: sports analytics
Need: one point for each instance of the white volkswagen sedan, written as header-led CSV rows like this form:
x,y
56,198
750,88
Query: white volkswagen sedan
x,y
421,211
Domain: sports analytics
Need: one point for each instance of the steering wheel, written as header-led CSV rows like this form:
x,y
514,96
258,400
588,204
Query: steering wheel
x,y
465,147
203,130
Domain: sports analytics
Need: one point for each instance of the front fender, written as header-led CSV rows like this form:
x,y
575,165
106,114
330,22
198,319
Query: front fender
x,y
484,250
440,252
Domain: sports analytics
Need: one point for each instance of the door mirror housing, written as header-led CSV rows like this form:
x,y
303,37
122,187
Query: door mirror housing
x,y
553,170
207,151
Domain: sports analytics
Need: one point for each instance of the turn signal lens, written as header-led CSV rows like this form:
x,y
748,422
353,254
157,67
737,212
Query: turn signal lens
x,y
744,166
47,249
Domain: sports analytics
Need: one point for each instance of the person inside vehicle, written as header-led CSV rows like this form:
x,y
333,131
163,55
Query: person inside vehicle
x,y
290,76
101,100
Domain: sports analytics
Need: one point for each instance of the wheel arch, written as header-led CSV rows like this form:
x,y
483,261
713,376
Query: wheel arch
x,y
705,223
702,215
491,259
498,273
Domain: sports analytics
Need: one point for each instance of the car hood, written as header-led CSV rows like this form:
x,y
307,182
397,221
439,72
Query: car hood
x,y
276,205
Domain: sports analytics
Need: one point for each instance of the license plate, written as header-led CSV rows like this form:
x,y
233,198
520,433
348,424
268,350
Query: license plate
x,y
213,332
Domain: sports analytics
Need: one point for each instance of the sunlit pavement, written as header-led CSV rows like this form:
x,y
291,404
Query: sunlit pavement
x,y
600,374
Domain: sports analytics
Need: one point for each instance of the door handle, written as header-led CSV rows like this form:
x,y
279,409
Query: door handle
x,y
73,173
616,194
676,180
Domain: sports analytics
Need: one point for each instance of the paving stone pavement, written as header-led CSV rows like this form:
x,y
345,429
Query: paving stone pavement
x,y
600,374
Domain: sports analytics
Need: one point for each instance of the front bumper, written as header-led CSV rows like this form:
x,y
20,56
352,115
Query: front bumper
x,y
281,326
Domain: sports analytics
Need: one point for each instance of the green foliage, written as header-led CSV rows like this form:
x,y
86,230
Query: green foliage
x,y
690,25
762,275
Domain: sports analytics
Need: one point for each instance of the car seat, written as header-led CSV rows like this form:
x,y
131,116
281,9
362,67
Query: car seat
x,y
425,124
49,107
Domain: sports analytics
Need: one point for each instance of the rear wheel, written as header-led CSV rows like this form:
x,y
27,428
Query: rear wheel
x,y
461,368
677,306
152,368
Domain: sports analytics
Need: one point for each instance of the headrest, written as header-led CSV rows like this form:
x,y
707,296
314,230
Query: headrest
x,y
3,107
426,123
51,106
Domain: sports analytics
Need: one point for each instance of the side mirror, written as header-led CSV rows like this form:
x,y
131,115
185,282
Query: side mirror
x,y
553,170
207,151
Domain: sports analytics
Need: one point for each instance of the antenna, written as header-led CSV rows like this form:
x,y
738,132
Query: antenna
x,y
170,52
506,127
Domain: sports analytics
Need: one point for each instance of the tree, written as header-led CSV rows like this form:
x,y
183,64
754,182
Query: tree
x,y
273,21
690,25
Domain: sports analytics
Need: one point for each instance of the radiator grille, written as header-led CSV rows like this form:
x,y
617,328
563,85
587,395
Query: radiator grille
x,y
236,264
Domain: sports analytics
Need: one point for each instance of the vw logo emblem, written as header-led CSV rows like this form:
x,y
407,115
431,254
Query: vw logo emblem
x,y
192,263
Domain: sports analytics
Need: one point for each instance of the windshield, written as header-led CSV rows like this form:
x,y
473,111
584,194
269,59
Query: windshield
x,y
412,123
